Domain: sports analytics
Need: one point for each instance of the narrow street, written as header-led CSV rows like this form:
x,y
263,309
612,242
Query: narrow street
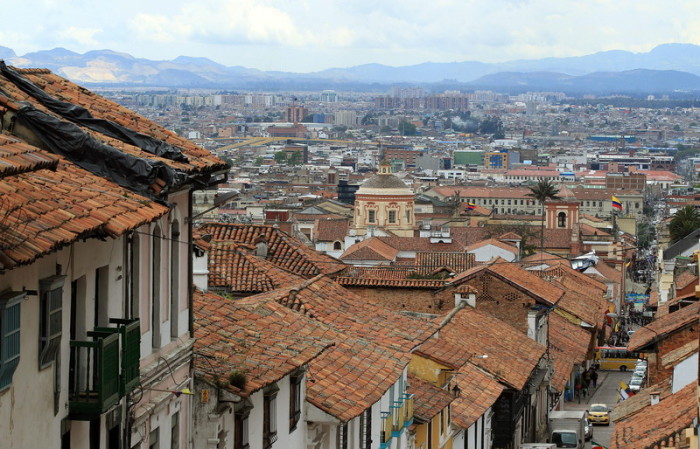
x,y
605,393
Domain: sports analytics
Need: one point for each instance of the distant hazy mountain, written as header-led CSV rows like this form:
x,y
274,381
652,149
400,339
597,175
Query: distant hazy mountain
x,y
629,81
661,69
6,53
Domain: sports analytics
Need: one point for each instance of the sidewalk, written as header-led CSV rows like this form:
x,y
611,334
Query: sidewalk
x,y
592,392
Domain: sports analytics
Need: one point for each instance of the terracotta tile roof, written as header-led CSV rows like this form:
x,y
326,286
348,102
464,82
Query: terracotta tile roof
x,y
147,172
538,258
682,300
397,283
513,274
370,249
352,376
266,340
592,218
328,302
331,230
45,210
664,326
512,356
428,400
484,192
199,159
682,280
233,267
510,236
394,272
467,235
19,157
557,238
429,261
652,426
608,272
282,250
478,210
641,400
319,217
528,281
587,230
568,345
422,244
479,391
676,356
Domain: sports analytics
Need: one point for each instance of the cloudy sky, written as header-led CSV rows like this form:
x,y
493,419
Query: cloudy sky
x,y
309,35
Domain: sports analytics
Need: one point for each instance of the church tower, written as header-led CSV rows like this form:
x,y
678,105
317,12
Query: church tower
x,y
384,201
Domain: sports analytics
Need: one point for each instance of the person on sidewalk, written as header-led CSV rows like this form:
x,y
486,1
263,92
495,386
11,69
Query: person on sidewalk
x,y
594,377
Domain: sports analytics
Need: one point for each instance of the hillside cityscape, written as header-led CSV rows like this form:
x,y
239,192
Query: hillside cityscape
x,y
460,255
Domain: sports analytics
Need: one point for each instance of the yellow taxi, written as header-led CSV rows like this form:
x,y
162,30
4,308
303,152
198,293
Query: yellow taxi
x,y
599,414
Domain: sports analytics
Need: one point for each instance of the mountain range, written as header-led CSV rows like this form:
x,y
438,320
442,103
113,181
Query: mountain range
x,y
666,68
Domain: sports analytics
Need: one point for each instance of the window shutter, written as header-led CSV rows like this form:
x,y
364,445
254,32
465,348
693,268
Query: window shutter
x,y
131,349
109,370
51,318
9,336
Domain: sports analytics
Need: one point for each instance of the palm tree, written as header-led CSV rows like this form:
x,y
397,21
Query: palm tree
x,y
543,191
684,222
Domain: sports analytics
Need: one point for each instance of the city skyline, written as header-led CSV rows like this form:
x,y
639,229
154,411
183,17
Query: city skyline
x,y
315,35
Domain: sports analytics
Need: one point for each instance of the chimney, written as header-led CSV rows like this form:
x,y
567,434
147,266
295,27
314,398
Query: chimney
x,y
655,397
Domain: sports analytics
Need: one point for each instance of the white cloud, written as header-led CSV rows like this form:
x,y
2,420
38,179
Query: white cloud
x,y
314,34
82,36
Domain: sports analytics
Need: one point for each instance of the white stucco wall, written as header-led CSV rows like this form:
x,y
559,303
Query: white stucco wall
x,y
684,373
27,406
488,252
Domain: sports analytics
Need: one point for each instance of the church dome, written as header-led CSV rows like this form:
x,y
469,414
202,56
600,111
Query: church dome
x,y
382,181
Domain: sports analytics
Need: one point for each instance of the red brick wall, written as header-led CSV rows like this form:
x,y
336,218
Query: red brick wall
x,y
495,297
412,299
502,300
684,335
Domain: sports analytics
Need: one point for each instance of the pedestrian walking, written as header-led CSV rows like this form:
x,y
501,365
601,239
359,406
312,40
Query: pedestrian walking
x,y
594,378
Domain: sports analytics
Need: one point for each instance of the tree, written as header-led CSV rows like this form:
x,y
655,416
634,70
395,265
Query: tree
x,y
295,158
407,129
492,125
258,161
684,222
543,191
281,157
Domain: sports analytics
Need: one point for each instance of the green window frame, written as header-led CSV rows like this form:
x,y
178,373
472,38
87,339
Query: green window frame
x,y
10,314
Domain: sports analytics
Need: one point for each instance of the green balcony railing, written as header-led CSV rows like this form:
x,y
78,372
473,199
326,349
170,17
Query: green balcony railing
x,y
105,369
130,335
94,376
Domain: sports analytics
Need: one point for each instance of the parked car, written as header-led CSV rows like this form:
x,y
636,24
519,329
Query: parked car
x,y
599,414
636,384
588,430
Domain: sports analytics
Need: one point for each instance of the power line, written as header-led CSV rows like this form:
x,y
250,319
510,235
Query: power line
x,y
401,267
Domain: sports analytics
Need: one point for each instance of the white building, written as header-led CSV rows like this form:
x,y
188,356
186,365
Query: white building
x,y
94,277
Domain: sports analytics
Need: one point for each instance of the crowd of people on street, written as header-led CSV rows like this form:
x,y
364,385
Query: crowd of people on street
x,y
587,381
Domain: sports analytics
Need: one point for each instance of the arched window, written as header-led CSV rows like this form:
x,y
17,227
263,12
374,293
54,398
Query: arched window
x,y
174,278
134,276
561,220
337,245
155,286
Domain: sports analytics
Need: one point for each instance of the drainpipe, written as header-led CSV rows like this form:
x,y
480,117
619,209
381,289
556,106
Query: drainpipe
x,y
190,268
